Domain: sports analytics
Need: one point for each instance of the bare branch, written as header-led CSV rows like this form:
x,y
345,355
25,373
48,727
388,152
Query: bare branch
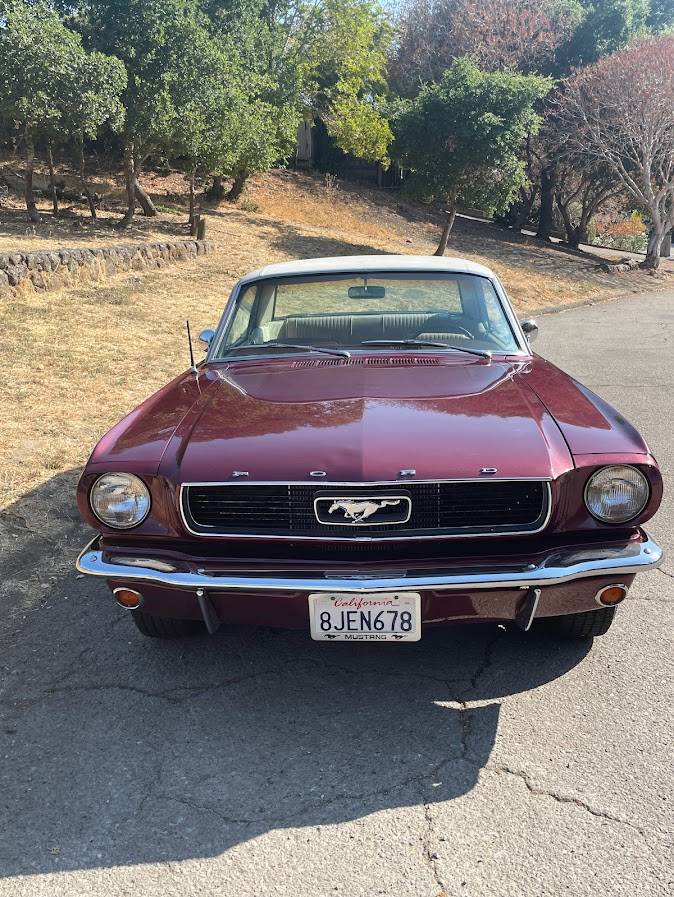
x,y
620,113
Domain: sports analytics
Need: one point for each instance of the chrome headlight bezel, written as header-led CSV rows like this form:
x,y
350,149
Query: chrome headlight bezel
x,y
610,474
139,496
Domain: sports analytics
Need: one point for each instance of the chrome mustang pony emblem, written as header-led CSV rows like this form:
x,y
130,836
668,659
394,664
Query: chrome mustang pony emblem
x,y
355,511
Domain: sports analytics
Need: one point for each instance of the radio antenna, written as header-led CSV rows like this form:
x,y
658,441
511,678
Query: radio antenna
x,y
193,366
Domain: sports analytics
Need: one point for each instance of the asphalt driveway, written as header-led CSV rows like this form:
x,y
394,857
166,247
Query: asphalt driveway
x,y
477,762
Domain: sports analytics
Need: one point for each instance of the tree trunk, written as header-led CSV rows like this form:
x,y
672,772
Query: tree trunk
x,y
588,209
144,200
652,260
83,180
130,181
571,231
450,215
52,181
193,214
545,218
524,213
236,189
31,208
216,192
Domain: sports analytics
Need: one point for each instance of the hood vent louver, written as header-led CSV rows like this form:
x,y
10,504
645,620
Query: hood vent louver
x,y
377,361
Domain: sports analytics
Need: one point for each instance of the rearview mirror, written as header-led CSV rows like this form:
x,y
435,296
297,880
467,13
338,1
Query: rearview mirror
x,y
530,329
205,338
367,292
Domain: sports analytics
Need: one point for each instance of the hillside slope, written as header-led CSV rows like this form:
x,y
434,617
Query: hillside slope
x,y
289,214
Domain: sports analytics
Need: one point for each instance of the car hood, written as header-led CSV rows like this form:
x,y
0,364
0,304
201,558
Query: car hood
x,y
363,421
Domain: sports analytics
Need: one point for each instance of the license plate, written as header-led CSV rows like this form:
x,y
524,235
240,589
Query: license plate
x,y
365,616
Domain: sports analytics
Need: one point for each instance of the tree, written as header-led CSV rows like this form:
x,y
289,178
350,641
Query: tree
x,y
522,209
581,185
266,107
146,35
604,27
463,138
26,79
347,54
90,99
206,95
620,113
325,59
581,190
521,35
50,86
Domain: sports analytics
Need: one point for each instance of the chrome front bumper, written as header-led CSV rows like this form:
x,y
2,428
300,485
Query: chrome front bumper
x,y
559,566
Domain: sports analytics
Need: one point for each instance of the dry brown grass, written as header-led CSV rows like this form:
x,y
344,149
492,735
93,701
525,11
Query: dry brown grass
x,y
73,362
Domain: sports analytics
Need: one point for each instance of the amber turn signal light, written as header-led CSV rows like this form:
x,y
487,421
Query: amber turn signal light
x,y
128,598
609,596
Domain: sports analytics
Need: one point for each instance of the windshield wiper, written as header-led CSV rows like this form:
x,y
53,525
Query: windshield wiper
x,y
342,353
481,353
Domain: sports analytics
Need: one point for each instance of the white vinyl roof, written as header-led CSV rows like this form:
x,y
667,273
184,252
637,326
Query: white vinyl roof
x,y
356,264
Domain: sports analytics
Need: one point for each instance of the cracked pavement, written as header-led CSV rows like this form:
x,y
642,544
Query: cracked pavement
x,y
259,764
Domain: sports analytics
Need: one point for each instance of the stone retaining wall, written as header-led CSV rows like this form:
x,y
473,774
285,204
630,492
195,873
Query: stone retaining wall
x,y
56,268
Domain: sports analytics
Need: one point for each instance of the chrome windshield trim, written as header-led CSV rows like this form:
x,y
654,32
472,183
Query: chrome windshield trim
x,y
395,535
557,567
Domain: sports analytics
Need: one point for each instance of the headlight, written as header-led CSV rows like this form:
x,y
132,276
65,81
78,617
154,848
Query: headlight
x,y
616,494
121,500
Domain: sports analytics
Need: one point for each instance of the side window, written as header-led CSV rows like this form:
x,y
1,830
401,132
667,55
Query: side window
x,y
497,324
241,321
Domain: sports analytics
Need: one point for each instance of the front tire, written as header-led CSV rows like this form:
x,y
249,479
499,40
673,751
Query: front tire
x,y
586,625
165,627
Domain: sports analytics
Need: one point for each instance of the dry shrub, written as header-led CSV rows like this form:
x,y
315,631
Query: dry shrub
x,y
615,224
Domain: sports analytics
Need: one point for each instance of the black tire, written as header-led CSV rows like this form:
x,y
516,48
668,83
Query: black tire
x,y
586,625
165,627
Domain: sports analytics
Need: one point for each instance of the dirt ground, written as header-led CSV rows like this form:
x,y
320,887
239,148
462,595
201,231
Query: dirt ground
x,y
287,214
73,362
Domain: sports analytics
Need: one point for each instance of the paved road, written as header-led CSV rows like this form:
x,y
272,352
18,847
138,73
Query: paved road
x,y
257,763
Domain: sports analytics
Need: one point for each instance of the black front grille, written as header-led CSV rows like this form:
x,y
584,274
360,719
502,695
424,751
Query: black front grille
x,y
450,508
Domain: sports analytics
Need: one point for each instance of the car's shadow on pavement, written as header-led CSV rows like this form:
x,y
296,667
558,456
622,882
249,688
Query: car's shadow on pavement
x,y
118,749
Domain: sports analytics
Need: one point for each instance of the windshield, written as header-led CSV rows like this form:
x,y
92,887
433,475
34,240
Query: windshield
x,y
373,312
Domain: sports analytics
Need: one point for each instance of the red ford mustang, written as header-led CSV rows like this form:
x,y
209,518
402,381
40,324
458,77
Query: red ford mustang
x,y
370,448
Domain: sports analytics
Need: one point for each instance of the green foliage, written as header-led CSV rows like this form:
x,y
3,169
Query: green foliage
x,y
463,137
148,36
323,59
265,103
35,52
605,26
358,127
93,95
661,15
48,83
347,53
205,92
258,135
222,84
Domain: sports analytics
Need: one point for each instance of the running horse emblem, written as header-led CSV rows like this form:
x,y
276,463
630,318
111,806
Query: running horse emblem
x,y
356,511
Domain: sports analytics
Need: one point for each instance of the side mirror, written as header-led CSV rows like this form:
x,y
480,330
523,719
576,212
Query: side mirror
x,y
530,329
206,337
